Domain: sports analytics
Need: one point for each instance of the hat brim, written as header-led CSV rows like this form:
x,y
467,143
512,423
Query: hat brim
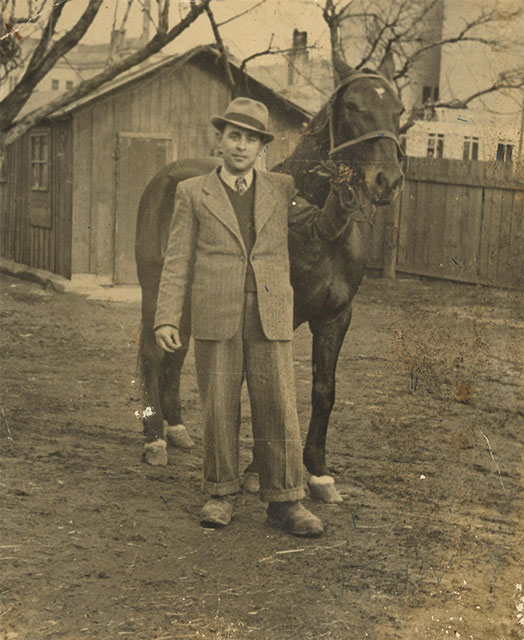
x,y
219,122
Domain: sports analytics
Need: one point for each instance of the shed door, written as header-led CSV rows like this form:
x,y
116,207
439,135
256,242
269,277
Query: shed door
x,y
138,157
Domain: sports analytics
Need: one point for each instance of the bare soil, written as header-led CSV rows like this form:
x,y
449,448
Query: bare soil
x,y
425,443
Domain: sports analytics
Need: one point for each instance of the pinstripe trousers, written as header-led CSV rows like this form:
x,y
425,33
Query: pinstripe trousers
x,y
267,367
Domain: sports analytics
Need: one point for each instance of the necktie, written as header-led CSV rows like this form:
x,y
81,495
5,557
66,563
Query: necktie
x,y
241,185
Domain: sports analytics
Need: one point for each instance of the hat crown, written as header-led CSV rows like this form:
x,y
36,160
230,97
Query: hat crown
x,y
248,114
251,108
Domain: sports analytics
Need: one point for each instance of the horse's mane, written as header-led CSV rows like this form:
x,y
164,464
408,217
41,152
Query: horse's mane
x,y
320,120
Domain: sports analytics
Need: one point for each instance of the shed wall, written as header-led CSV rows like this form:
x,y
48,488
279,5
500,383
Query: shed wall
x,y
35,226
175,102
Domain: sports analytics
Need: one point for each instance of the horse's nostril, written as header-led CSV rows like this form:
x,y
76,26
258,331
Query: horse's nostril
x,y
381,180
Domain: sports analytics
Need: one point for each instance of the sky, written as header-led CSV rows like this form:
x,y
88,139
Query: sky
x,y
274,20
243,36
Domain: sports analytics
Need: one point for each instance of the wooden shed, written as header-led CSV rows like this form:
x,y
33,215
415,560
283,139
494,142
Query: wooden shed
x,y
70,191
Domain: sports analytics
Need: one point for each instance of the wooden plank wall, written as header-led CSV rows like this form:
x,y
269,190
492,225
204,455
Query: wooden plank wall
x,y
462,221
14,204
38,246
177,102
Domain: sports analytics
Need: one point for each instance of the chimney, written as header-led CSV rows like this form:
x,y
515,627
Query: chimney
x,y
298,57
116,42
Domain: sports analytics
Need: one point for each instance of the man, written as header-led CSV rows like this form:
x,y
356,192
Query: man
x,y
228,247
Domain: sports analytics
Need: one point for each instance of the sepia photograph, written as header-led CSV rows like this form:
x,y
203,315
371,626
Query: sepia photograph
x,y
262,319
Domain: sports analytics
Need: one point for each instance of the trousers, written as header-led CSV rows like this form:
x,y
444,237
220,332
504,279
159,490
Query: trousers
x,y
267,366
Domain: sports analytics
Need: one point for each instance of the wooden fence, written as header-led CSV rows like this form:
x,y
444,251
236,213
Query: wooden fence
x,y
457,220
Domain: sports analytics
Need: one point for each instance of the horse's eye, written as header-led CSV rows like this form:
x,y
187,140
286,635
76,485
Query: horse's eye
x,y
351,106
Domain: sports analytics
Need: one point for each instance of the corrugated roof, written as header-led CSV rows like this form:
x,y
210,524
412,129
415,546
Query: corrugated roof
x,y
173,61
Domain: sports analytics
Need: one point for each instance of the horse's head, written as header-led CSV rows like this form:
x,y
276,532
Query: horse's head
x,y
360,126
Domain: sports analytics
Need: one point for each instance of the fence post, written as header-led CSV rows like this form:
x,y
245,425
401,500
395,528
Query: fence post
x,y
391,240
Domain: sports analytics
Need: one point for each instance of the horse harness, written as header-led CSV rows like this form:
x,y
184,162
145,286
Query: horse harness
x,y
370,135
329,168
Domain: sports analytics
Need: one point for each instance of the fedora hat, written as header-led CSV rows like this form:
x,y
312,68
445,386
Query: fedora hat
x,y
248,114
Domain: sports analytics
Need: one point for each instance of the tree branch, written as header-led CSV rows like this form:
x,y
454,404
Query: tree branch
x,y
409,61
10,131
269,52
238,15
512,79
223,53
39,66
49,30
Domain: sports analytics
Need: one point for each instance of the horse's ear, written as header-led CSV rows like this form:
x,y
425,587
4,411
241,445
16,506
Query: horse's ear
x,y
341,68
387,66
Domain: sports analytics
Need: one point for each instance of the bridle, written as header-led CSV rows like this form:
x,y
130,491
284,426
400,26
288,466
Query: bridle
x,y
330,168
370,135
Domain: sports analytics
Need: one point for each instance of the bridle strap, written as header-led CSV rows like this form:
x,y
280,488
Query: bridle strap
x,y
371,135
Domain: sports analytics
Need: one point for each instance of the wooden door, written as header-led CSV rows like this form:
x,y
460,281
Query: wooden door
x,y
138,157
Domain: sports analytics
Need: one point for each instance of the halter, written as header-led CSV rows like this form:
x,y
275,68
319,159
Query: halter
x,y
370,135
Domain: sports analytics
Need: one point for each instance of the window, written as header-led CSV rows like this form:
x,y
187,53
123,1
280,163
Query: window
x,y
504,152
55,84
435,145
69,84
39,161
471,148
430,94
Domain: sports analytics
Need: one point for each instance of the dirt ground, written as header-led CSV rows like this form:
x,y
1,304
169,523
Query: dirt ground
x,y
425,442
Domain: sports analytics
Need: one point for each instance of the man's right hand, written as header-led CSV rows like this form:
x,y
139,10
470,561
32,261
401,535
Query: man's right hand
x,y
168,338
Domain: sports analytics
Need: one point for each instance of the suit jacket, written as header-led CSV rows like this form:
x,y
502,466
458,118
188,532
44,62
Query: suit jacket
x,y
206,256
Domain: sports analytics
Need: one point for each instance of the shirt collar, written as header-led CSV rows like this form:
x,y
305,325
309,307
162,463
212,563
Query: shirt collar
x,y
230,179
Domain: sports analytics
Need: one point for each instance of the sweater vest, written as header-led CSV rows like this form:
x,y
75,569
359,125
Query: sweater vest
x,y
244,207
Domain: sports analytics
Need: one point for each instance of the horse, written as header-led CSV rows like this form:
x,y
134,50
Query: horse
x,y
353,139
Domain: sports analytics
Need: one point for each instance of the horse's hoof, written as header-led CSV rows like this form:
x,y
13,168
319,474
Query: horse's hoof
x,y
155,453
251,482
323,488
177,436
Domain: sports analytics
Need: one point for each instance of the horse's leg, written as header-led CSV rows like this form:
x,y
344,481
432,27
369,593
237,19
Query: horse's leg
x,y
175,431
251,478
151,365
151,361
328,336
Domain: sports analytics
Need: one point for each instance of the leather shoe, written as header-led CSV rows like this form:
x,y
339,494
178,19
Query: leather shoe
x,y
294,518
218,511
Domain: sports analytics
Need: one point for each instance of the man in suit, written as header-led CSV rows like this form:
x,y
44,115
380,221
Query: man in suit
x,y
228,248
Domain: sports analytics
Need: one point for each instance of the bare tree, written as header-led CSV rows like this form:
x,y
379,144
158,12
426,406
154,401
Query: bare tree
x,y
367,31
51,47
334,15
239,85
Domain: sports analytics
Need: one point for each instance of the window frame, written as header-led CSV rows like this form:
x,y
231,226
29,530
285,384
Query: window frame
x,y
435,146
507,152
470,148
40,163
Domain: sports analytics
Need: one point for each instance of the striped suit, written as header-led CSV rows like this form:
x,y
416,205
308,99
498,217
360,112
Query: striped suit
x,y
238,335
207,253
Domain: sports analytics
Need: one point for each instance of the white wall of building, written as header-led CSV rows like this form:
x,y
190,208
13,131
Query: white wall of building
x,y
457,127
